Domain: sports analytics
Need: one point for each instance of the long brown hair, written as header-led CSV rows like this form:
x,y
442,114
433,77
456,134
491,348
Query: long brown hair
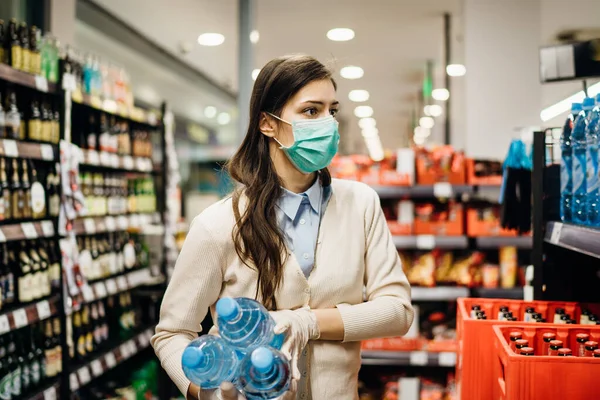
x,y
259,242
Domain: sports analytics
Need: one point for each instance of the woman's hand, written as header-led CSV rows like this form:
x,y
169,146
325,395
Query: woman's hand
x,y
300,326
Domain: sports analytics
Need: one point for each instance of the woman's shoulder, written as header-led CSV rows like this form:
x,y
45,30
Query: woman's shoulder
x,y
354,191
217,218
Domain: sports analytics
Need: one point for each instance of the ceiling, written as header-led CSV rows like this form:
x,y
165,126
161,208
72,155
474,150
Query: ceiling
x,y
394,39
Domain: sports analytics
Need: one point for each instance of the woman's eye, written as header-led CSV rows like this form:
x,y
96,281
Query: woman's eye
x,y
333,112
311,111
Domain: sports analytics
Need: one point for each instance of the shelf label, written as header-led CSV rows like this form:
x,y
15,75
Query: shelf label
x,y
87,293
43,309
29,230
111,224
73,382
124,348
105,158
110,360
115,161
2,237
4,324
134,220
41,83
20,317
132,347
128,162
69,83
110,106
442,190
48,228
97,369
447,359
50,393
144,342
10,148
93,157
122,222
122,283
96,102
47,152
426,242
100,290
111,286
89,225
418,358
556,230
84,375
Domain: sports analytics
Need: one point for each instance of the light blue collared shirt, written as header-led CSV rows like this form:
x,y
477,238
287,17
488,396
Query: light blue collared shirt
x,y
299,217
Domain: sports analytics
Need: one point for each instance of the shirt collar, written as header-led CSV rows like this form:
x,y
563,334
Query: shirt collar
x,y
290,202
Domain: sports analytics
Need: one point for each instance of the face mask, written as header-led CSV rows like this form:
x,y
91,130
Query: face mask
x,y
315,143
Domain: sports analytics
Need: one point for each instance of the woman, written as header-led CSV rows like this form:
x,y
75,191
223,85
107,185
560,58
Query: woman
x,y
295,239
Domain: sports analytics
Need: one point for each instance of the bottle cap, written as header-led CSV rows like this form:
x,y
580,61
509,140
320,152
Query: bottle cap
x,y
598,98
575,108
549,336
516,335
522,343
262,359
227,308
565,352
192,357
526,351
588,103
582,337
596,353
556,343
591,345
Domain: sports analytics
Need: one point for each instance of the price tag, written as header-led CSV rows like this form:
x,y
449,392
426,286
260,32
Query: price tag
x,y
4,324
442,190
89,225
110,360
87,293
122,283
10,148
100,290
556,230
105,158
20,317
128,162
84,375
69,82
110,106
122,222
96,102
111,286
76,96
2,237
93,157
41,83
144,342
50,393
43,309
124,348
29,230
48,228
426,242
111,224
73,382
447,359
418,358
47,152
97,369
132,347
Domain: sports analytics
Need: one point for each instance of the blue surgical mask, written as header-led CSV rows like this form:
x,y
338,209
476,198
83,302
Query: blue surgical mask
x,y
315,143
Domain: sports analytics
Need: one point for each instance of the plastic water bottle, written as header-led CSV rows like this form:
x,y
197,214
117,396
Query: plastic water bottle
x,y
566,165
579,163
208,361
245,324
593,181
264,374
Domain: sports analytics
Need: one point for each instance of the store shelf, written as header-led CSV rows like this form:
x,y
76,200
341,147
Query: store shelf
x,y
29,314
112,107
37,82
26,230
440,190
104,159
573,237
428,242
498,293
19,148
102,364
438,293
409,358
49,392
494,242
94,225
122,283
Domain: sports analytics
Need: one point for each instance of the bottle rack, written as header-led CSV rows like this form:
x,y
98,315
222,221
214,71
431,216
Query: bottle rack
x,y
64,383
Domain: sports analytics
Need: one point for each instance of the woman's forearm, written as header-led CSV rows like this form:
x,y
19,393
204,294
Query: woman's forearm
x,y
330,324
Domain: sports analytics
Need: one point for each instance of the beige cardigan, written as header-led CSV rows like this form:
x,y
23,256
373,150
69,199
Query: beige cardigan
x,y
354,250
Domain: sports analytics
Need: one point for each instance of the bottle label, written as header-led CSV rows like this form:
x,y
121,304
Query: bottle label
x,y
566,165
13,120
36,286
592,169
16,382
35,372
86,263
578,173
25,288
38,199
6,387
9,289
129,255
54,205
89,342
81,345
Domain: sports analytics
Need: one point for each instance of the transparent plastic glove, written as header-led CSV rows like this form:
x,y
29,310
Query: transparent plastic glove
x,y
299,326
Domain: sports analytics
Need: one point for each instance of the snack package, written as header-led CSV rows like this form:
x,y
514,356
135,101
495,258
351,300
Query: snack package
x,y
490,275
422,272
508,266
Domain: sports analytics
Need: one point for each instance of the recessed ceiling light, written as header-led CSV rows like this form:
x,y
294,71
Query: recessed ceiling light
x,y
422,132
456,70
352,72
363,111
433,110
441,94
254,36
210,112
426,122
419,140
370,132
340,34
358,95
255,73
223,118
211,39
367,123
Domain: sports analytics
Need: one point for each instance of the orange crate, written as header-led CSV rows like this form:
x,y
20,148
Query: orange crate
x,y
480,227
473,179
474,366
452,225
518,377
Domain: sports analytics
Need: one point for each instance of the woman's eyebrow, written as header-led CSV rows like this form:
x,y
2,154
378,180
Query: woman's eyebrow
x,y
321,103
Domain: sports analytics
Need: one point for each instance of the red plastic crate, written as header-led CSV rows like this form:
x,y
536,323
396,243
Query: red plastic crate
x,y
518,377
474,366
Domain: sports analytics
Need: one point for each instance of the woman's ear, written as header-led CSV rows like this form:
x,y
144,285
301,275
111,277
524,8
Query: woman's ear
x,y
267,125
